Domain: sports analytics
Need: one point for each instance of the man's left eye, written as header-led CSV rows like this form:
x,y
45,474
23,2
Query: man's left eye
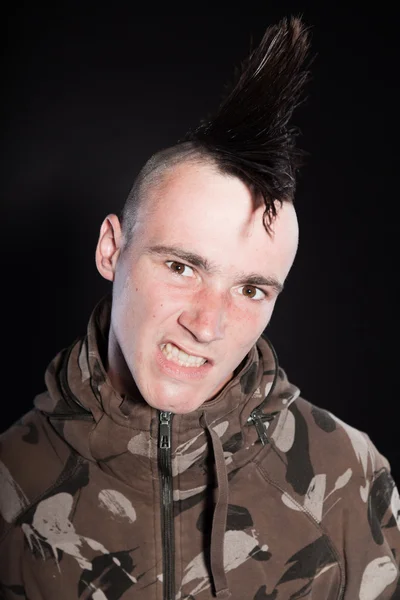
x,y
254,293
179,268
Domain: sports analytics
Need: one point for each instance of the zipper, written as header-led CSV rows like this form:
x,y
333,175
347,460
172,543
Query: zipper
x,y
167,517
261,423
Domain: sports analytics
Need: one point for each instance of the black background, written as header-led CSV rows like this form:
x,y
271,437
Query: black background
x,y
90,91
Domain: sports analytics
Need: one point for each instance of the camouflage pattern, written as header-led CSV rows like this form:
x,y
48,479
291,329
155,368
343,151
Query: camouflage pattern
x,y
313,513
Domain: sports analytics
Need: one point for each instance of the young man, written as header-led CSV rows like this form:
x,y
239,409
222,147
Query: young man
x,y
170,457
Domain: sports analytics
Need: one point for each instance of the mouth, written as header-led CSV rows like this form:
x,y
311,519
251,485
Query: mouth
x,y
180,357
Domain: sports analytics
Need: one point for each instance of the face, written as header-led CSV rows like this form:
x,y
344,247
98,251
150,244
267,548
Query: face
x,y
195,288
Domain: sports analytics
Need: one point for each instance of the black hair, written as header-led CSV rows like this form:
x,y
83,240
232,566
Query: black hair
x,y
250,135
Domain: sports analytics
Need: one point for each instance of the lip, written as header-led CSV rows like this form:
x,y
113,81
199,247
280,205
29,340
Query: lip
x,y
192,352
178,371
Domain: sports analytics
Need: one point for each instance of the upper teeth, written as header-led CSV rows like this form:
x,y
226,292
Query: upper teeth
x,y
179,356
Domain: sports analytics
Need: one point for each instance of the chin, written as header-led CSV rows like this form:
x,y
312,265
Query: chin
x,y
179,408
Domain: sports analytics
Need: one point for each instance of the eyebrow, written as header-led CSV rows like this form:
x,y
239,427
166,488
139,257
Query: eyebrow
x,y
199,261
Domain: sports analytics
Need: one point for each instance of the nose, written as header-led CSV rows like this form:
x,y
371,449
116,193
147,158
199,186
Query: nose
x,y
205,318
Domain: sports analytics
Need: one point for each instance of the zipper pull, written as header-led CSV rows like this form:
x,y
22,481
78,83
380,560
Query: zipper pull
x,y
259,424
165,430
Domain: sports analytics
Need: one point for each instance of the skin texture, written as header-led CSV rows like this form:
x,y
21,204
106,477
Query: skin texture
x,y
208,312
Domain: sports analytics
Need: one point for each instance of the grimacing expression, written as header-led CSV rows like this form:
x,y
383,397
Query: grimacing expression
x,y
195,287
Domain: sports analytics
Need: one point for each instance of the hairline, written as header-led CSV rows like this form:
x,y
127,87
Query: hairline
x,y
156,170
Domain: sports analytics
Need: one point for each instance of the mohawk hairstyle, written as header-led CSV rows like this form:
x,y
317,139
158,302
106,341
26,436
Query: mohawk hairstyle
x,y
250,136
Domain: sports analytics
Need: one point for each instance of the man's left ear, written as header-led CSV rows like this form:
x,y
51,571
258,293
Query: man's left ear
x,y
108,247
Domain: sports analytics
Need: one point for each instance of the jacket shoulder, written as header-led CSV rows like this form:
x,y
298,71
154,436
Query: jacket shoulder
x,y
32,457
336,441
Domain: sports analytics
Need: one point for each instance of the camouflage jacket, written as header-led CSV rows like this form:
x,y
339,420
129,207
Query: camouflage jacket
x,y
257,495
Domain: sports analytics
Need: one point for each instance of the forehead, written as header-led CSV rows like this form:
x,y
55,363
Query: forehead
x,y
216,215
191,191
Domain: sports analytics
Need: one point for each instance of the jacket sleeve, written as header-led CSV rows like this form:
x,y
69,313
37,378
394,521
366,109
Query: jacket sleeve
x,y
12,502
372,554
11,545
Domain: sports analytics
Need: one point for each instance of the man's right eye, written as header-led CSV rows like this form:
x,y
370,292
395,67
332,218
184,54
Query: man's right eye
x,y
179,268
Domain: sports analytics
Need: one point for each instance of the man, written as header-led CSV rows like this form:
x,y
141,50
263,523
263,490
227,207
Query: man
x,y
170,457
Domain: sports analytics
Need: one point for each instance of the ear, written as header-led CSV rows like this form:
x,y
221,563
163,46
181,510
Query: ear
x,y
108,247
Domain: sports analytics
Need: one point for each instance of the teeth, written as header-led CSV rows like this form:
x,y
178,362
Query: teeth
x,y
180,357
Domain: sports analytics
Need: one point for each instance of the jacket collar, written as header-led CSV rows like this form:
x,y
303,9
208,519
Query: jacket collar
x,y
79,389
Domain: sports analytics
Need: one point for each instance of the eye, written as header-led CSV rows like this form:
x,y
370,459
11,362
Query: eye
x,y
179,268
252,292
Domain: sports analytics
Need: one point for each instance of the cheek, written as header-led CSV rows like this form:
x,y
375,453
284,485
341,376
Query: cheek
x,y
246,325
153,308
